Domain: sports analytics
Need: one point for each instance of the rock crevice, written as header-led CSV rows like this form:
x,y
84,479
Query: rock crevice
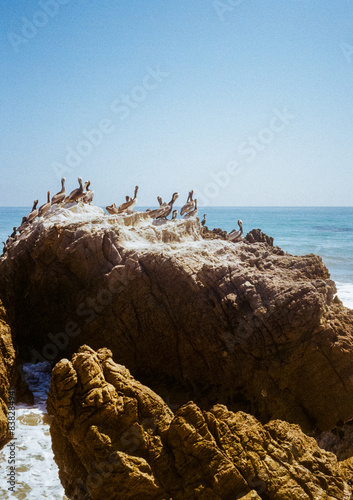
x,y
114,438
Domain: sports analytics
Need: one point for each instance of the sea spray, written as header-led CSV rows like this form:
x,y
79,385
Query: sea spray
x,y
36,474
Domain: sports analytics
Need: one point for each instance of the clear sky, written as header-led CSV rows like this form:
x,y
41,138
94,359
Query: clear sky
x,y
249,102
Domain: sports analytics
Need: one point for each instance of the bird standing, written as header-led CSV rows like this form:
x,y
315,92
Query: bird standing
x,y
34,212
189,205
60,196
76,194
44,208
235,235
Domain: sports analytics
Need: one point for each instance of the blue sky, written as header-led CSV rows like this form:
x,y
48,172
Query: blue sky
x,y
248,102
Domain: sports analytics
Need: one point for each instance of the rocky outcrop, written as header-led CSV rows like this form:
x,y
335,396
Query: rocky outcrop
x,y
242,324
256,235
214,234
7,360
114,438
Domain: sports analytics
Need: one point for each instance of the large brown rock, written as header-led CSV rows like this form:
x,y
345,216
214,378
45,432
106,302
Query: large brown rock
x,y
114,438
7,360
242,324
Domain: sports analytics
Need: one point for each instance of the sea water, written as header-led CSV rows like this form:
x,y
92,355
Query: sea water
x,y
325,231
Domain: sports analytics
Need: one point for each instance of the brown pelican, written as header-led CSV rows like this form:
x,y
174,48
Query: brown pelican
x,y
203,222
174,214
44,208
193,212
163,211
189,205
129,205
76,194
60,196
34,213
112,209
23,225
161,204
88,195
13,235
236,235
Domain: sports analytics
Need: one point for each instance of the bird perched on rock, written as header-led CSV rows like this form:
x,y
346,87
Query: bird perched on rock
x,y
60,196
235,235
34,213
128,206
88,194
112,209
189,205
192,213
44,208
164,210
76,194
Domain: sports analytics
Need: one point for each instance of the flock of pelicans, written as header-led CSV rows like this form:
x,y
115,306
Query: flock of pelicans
x,y
85,195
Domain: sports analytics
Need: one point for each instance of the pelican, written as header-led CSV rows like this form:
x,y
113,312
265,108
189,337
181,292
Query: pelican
x,y
76,194
13,235
112,209
23,225
44,208
193,212
189,205
34,213
163,211
236,235
129,205
203,222
88,195
174,214
60,196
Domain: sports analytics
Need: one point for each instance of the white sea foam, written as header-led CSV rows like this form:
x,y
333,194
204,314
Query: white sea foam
x,y
36,472
345,293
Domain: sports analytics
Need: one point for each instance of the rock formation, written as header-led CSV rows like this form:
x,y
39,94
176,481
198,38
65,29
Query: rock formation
x,y
7,360
259,236
114,438
241,324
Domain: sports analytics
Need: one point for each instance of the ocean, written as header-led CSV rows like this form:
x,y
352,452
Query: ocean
x,y
325,231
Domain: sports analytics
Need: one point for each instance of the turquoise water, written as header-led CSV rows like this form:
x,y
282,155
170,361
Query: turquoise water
x,y
325,231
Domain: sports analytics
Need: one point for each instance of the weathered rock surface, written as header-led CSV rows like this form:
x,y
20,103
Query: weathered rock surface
x,y
7,360
256,235
114,438
208,320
